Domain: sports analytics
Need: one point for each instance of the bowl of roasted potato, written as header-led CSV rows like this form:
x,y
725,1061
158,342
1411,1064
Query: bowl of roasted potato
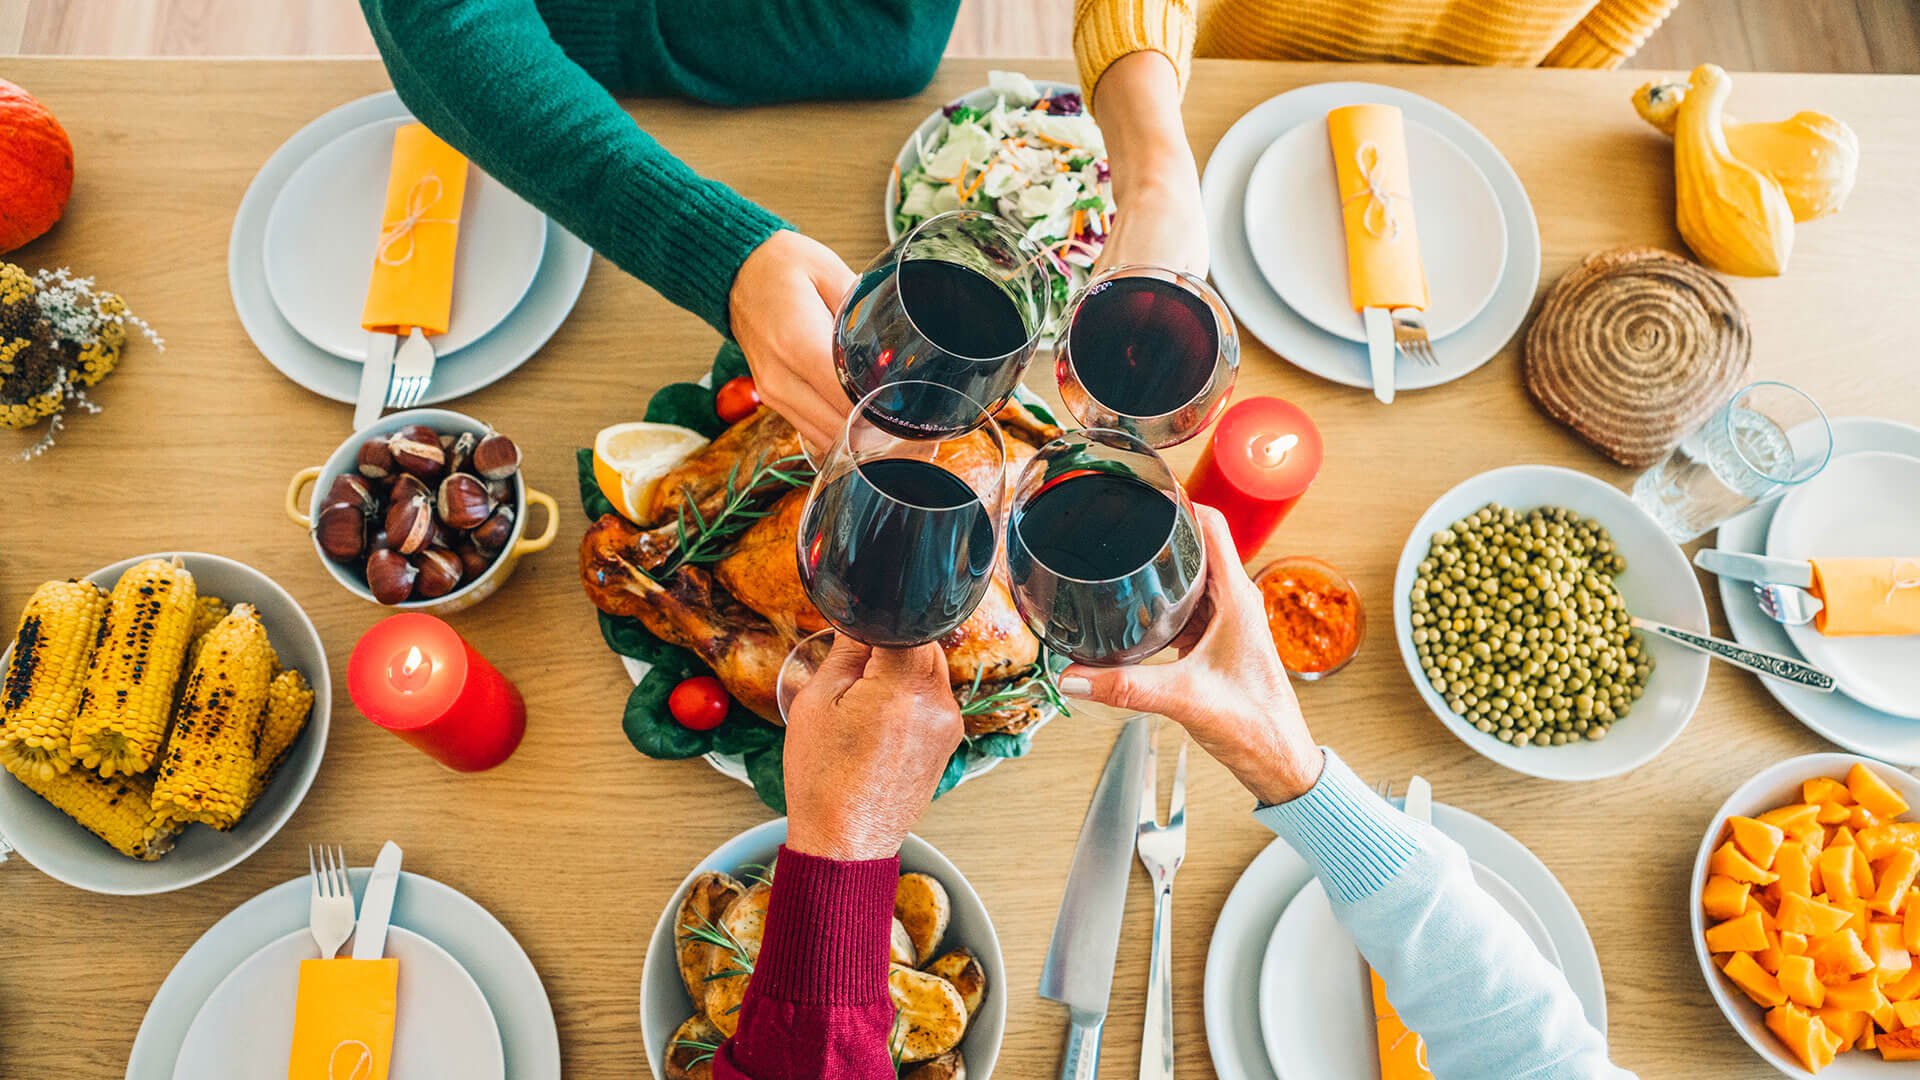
x,y
945,969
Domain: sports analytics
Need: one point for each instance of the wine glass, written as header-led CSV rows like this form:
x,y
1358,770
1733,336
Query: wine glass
x,y
1149,351
958,303
1103,549
898,538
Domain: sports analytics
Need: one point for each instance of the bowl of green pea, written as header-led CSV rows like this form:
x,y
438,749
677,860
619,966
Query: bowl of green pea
x,y
1511,606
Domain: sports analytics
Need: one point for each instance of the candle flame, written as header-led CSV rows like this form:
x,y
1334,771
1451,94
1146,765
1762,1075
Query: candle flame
x,y
412,662
1275,450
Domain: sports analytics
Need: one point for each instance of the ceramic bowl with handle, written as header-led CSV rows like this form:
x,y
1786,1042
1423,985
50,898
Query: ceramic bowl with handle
x,y
345,459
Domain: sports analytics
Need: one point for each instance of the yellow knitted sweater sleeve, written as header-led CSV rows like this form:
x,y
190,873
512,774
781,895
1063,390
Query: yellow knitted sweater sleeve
x,y
1106,30
1613,31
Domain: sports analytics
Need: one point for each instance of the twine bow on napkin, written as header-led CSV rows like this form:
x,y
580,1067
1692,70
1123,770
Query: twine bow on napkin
x,y
1377,217
359,1067
1905,574
421,198
411,285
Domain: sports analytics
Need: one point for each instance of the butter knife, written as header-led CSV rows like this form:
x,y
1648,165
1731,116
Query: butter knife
x,y
1741,566
376,905
374,376
1379,324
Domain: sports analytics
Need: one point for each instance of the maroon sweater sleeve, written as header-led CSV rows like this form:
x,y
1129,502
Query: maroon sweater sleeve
x,y
818,1007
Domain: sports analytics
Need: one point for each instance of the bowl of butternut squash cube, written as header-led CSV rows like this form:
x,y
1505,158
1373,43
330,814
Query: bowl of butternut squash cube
x,y
160,719
1806,916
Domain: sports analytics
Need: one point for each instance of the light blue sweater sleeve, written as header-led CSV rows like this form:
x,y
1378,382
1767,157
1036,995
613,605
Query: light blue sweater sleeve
x,y
1459,969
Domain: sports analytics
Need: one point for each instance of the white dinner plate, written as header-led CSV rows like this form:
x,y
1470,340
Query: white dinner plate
x,y
1860,505
325,224
548,301
1836,717
529,1039
1231,992
1223,189
1316,1003
442,1026
1295,231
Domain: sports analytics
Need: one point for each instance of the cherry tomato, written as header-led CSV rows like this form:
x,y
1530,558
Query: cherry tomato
x,y
699,703
736,399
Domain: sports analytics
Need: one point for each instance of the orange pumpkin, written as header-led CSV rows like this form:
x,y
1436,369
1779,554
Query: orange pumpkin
x,y
36,167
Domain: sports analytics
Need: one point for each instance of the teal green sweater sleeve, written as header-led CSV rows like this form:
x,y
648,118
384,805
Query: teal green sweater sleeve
x,y
526,91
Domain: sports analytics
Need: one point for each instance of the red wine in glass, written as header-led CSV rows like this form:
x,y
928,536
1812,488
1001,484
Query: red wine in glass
x,y
1148,351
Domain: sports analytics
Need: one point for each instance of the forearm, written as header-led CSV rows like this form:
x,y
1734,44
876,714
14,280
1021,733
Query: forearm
x,y
488,77
818,1006
1460,970
1139,115
1106,31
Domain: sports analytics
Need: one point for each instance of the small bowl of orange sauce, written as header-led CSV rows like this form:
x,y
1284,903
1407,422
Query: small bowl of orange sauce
x,y
1314,614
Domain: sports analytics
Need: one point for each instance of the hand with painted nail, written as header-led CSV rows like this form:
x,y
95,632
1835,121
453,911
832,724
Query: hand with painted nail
x,y
1227,687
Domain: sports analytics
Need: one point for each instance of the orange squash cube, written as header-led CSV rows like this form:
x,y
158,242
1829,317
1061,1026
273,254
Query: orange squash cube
x,y
1792,944
1906,1012
1845,1023
1833,813
1903,1045
1890,957
1795,863
1874,793
1803,1034
1884,1016
1905,988
1728,861
1797,820
1860,818
1837,868
1841,837
1858,995
1797,978
1857,920
1806,915
1724,898
1742,934
1839,957
1895,880
1825,789
1864,878
1758,840
1750,977
1910,922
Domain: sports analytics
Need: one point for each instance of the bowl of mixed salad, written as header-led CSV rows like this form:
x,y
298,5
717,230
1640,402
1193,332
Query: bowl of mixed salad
x,y
1025,150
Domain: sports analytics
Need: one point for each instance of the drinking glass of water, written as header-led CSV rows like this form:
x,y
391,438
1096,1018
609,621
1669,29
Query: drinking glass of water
x,y
1767,438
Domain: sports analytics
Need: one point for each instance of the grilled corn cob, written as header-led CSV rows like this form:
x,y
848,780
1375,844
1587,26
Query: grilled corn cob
x,y
41,691
136,666
119,811
208,772
289,701
207,613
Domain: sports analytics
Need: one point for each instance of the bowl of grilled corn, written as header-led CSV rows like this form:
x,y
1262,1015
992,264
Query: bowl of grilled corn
x,y
160,719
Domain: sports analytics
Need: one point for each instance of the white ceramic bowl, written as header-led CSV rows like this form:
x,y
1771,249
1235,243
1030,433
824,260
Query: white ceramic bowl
x,y
51,841
982,98
1658,585
1774,786
346,456
663,1000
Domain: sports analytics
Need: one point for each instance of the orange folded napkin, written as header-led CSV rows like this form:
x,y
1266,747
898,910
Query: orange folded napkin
x,y
1867,596
1403,1054
1376,205
412,283
343,1020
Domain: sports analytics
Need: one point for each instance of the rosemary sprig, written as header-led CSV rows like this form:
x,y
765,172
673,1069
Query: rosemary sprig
x,y
721,938
1037,683
707,1050
758,873
702,540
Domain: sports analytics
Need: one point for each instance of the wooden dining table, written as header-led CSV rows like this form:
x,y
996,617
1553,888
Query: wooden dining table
x,y
577,843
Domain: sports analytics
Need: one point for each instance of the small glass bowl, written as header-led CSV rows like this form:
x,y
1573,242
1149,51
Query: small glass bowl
x,y
1322,569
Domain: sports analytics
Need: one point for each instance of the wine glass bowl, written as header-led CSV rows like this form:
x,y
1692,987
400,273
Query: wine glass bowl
x,y
959,303
1149,351
1103,550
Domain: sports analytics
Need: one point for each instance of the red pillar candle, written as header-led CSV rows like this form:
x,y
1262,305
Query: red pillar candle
x,y
1262,457
414,676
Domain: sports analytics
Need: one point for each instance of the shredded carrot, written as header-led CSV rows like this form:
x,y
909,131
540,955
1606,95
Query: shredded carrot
x,y
966,191
1079,216
1054,141
899,195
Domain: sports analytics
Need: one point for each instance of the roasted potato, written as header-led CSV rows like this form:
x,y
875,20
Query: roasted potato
x,y
900,950
961,968
922,906
707,900
690,1051
932,1018
745,920
948,1066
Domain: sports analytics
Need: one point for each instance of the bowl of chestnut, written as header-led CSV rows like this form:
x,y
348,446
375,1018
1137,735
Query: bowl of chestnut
x,y
424,509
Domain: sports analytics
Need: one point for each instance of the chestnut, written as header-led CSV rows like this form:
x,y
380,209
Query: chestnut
x,y
459,450
416,450
406,486
501,490
353,488
496,457
463,501
440,573
491,536
375,460
341,530
471,560
390,576
410,524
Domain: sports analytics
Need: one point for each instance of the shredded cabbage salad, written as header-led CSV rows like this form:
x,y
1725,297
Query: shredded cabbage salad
x,y
1036,160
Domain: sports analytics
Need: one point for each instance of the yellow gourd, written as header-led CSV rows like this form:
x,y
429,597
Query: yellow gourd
x,y
1733,216
1812,156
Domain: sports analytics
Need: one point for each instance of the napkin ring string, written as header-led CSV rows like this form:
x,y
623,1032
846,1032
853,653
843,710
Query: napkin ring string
x,y
1377,217
354,1071
1905,575
421,198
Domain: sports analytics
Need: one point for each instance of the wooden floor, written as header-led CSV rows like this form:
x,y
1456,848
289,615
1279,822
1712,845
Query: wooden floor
x,y
1741,35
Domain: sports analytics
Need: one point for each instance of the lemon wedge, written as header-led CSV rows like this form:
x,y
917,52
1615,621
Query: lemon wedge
x,y
630,459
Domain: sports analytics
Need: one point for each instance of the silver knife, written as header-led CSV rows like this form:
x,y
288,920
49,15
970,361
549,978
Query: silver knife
x,y
376,905
1086,936
1743,567
1379,324
375,374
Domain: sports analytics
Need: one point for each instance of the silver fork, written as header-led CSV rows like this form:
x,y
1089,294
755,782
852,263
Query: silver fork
x,y
1787,604
1410,336
1162,849
412,372
330,914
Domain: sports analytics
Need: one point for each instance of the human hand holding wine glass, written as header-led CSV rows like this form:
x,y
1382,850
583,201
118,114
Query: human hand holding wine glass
x,y
1228,688
781,307
867,741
